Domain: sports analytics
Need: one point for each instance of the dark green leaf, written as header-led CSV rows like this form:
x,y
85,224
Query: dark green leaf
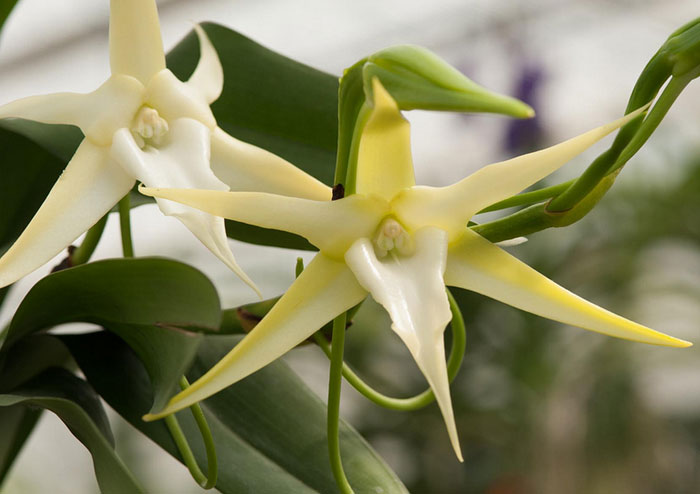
x,y
270,100
16,423
142,300
269,428
265,236
29,358
6,7
77,405
28,172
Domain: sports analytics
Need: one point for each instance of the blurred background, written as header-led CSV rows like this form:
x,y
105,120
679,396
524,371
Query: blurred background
x,y
541,408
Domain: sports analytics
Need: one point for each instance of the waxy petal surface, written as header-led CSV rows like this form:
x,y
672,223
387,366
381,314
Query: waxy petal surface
x,y
412,291
324,289
135,44
176,99
384,162
244,167
98,114
476,264
451,207
208,77
181,161
332,226
88,188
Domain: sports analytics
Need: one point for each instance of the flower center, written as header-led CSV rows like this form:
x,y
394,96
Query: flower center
x,y
392,238
148,127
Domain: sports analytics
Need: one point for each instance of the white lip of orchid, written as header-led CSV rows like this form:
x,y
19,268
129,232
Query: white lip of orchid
x,y
148,126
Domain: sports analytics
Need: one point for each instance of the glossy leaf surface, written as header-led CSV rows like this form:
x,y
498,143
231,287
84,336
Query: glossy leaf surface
x,y
145,301
269,429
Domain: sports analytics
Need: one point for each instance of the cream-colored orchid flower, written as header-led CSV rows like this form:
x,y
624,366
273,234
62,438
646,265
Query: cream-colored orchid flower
x,y
401,243
144,124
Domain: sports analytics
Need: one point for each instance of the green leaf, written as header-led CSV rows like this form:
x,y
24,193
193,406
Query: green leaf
x,y
143,300
28,172
16,423
270,429
6,7
29,357
77,405
270,100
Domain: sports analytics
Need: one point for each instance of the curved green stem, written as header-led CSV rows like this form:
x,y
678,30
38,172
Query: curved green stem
x,y
205,481
669,95
334,405
454,362
125,226
82,254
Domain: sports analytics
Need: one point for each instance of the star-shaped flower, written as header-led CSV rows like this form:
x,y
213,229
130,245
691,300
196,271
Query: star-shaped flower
x,y
144,124
401,243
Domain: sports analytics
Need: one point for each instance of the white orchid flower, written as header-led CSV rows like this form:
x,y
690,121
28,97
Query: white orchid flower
x,y
401,243
144,124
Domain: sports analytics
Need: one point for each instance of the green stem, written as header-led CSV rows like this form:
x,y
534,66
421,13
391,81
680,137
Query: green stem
x,y
125,226
351,171
527,198
208,481
82,254
454,362
669,95
540,217
334,404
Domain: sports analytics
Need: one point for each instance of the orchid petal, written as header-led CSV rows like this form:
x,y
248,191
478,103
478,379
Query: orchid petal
x,y
324,289
332,226
412,291
135,44
182,160
98,113
476,264
244,167
88,188
451,207
384,163
208,77
176,99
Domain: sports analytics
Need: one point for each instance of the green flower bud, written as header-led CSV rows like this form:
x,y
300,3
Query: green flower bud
x,y
418,79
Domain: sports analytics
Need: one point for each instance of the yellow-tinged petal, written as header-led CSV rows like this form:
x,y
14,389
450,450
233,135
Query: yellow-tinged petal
x,y
208,77
88,188
411,289
98,114
451,207
476,264
244,167
135,44
176,99
384,163
332,226
324,289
